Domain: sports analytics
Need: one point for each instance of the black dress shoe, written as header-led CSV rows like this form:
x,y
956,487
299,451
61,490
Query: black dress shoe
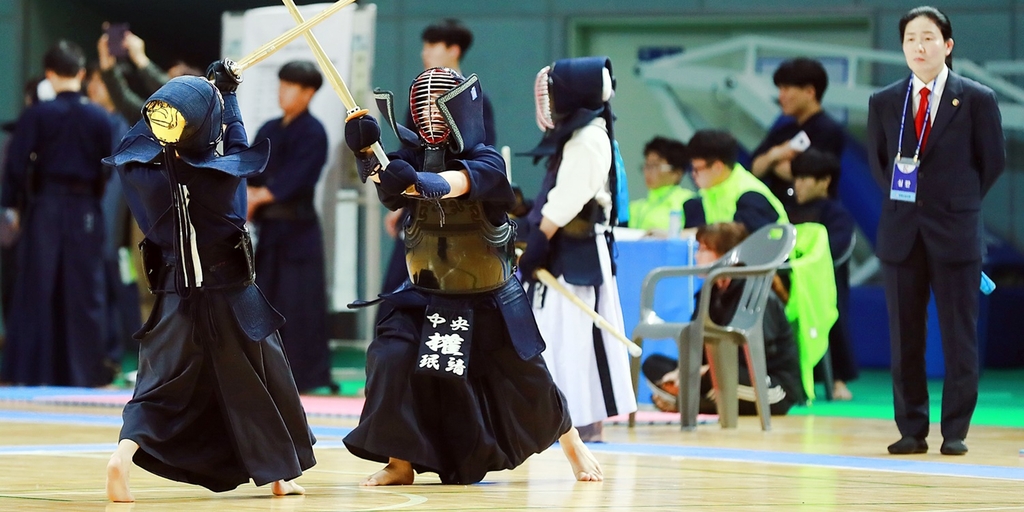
x,y
908,445
953,447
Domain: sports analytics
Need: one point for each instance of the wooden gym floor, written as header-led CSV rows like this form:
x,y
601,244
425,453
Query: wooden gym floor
x,y
53,458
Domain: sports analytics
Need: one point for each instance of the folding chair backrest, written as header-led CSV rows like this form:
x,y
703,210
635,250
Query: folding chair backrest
x,y
767,247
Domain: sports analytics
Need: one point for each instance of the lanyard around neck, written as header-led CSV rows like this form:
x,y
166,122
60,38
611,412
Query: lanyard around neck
x,y
903,118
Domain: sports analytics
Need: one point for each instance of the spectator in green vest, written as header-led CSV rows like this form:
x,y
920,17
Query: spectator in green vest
x,y
727,191
665,161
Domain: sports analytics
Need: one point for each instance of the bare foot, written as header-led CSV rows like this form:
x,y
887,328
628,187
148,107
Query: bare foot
x,y
840,391
117,479
397,472
283,488
584,466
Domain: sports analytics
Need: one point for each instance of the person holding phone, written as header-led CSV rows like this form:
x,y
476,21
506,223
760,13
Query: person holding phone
x,y
123,54
801,83
935,144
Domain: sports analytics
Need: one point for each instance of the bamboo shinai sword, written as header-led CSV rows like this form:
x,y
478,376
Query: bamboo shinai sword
x,y
550,281
280,41
338,84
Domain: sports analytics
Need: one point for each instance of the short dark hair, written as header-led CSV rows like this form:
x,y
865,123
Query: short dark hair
x,y
818,164
673,151
64,58
449,31
714,145
801,72
937,16
302,72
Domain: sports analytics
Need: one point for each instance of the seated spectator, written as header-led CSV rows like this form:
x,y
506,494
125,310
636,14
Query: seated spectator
x,y
665,161
802,83
784,387
727,191
815,180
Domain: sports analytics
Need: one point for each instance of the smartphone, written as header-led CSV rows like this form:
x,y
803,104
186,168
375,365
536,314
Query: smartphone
x,y
800,141
115,39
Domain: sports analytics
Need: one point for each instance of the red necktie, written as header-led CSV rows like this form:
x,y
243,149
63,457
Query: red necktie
x,y
919,120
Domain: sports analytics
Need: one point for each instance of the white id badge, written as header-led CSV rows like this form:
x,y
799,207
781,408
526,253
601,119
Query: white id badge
x,y
904,180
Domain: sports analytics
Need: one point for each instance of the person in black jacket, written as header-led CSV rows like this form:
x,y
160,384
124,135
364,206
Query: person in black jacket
x,y
935,144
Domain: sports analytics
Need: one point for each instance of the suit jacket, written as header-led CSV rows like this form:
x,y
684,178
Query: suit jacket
x,y
962,159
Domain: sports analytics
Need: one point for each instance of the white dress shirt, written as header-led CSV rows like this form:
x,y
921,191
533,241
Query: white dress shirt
x,y
934,98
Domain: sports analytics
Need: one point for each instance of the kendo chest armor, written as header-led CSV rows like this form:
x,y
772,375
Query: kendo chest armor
x,y
451,247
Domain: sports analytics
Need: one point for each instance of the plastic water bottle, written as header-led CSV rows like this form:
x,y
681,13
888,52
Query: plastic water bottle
x,y
675,223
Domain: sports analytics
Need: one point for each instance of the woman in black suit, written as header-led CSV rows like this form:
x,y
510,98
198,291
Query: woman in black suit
x,y
935,143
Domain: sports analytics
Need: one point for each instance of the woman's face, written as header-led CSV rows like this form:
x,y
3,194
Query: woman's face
x,y
924,47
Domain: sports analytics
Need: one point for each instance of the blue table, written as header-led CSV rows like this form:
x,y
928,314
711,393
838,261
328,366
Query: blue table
x,y
673,299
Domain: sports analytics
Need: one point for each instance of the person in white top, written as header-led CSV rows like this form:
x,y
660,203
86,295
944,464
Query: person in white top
x,y
568,234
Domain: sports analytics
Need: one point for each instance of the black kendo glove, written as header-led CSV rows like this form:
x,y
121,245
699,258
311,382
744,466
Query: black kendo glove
x,y
432,185
398,176
360,133
222,74
536,254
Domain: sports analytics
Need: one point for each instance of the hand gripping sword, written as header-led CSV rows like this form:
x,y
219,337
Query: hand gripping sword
x,y
337,83
550,281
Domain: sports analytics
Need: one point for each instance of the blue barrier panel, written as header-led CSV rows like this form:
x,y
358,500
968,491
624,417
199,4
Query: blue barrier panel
x,y
673,300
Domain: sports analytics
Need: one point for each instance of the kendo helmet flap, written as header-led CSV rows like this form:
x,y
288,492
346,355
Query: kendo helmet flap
x,y
578,83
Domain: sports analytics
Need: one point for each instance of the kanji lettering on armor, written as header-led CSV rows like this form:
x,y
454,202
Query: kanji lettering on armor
x,y
456,366
436,319
430,361
460,324
446,342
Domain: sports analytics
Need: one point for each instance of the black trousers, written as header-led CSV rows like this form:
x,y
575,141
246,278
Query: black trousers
x,y
955,285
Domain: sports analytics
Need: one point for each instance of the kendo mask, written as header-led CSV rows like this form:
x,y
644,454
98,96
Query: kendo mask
x,y
186,113
447,111
571,85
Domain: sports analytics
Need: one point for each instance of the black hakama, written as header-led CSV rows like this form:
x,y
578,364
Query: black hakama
x,y
505,410
218,409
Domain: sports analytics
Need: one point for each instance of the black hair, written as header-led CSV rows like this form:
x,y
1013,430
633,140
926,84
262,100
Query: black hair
x,y
673,151
714,145
302,72
64,58
801,72
819,165
937,16
449,31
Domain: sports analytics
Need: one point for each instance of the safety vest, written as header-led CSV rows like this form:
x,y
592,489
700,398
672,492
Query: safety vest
x,y
719,201
812,297
653,212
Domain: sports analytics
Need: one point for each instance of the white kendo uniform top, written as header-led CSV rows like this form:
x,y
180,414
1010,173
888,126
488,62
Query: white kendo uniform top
x,y
571,353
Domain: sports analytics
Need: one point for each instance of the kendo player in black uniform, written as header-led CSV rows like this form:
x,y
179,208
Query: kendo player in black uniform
x,y
290,253
57,328
215,404
455,382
